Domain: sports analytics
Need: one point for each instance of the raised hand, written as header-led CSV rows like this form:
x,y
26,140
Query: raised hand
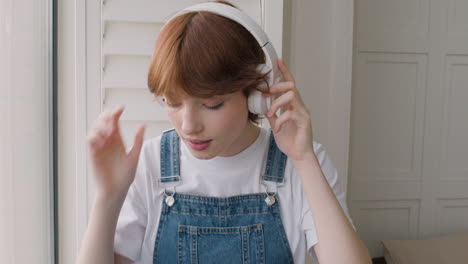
x,y
293,128
113,168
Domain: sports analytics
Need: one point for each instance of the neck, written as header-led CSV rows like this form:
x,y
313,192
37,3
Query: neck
x,y
248,138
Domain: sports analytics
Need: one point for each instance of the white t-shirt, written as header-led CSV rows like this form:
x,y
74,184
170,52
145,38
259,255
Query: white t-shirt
x,y
219,177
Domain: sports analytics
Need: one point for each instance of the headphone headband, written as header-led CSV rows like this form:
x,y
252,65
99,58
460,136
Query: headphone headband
x,y
248,23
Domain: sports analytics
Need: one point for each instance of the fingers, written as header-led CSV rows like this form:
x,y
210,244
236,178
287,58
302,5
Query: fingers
x,y
280,87
280,101
105,127
287,76
116,116
288,115
138,143
95,140
299,118
286,97
287,84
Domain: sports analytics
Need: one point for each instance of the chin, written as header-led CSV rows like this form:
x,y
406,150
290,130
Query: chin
x,y
202,156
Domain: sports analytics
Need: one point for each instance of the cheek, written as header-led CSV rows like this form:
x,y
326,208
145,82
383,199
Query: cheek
x,y
173,118
235,117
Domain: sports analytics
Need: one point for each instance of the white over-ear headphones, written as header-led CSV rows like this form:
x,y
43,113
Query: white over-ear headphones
x,y
257,103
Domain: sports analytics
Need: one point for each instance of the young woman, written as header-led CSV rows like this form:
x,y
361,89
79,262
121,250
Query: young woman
x,y
217,188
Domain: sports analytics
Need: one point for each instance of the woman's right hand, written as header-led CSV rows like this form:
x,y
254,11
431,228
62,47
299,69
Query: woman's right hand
x,y
114,169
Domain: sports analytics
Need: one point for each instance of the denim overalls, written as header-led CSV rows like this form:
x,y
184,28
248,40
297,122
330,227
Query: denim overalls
x,y
238,229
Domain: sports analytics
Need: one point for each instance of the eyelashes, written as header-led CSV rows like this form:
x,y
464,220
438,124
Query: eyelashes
x,y
216,107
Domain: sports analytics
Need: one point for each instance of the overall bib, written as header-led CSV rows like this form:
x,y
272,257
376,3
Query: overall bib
x,y
237,229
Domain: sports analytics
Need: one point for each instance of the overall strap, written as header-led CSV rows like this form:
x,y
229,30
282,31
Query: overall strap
x,y
275,163
170,150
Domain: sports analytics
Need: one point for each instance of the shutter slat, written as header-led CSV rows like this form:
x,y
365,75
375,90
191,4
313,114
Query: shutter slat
x,y
142,10
130,38
126,72
140,112
153,128
159,11
128,95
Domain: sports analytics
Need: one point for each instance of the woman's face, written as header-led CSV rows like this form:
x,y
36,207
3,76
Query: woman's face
x,y
222,121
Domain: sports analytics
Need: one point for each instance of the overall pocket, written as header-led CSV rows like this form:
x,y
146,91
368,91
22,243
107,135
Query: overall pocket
x,y
240,244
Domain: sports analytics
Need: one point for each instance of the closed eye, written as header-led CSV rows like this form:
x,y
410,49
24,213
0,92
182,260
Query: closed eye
x,y
172,105
216,107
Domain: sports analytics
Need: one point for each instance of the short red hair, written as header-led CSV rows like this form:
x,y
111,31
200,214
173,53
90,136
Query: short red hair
x,y
203,54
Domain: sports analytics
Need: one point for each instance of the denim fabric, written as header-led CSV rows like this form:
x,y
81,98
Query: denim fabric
x,y
237,229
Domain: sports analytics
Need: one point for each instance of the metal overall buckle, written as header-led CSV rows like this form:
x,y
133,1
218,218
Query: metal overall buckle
x,y
270,199
170,200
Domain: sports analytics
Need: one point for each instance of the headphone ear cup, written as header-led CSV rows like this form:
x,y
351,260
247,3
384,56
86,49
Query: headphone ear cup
x,y
257,103
263,69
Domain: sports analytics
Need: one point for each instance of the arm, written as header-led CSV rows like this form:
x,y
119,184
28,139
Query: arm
x,y
334,231
121,259
114,171
337,240
98,241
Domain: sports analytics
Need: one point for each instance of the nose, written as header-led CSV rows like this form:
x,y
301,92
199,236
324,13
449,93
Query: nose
x,y
191,122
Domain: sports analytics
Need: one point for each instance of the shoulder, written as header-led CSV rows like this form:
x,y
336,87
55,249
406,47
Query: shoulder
x,y
152,146
149,156
320,151
148,167
322,154
326,164
149,159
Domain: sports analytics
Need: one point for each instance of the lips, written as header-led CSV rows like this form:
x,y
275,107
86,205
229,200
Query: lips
x,y
199,144
199,141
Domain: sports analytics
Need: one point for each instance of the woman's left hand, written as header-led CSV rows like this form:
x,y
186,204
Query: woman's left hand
x,y
293,128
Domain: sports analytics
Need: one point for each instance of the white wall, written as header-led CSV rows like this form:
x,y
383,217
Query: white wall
x,y
318,38
69,86
26,228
